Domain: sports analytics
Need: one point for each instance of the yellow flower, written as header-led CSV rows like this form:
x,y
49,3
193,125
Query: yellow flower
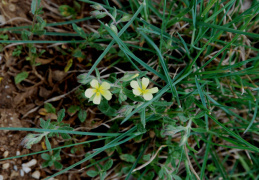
x,y
138,91
97,91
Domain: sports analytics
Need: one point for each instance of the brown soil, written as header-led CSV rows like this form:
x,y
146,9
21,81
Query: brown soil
x,y
21,104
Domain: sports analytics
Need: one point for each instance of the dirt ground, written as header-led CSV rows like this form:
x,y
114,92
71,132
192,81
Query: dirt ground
x,y
21,104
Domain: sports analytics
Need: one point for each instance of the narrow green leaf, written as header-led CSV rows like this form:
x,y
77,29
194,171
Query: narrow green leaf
x,y
61,115
82,114
49,108
73,109
108,165
255,113
45,156
128,158
143,117
208,7
59,131
65,136
34,6
47,143
79,31
20,77
202,100
204,164
92,173
58,165
114,12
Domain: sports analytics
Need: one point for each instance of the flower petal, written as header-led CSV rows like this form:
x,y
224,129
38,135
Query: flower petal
x,y
94,83
134,85
152,90
97,98
105,85
90,92
145,82
147,96
107,94
137,92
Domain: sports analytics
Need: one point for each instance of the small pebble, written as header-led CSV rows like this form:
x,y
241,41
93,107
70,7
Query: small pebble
x,y
18,153
21,172
14,174
26,169
36,174
2,19
12,7
6,165
30,163
53,178
15,167
6,153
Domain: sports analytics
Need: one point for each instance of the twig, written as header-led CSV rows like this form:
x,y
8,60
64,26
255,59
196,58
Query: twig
x,y
151,159
190,164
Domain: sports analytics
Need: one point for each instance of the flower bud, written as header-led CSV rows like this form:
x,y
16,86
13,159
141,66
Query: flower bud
x,y
98,14
183,140
126,18
97,6
114,28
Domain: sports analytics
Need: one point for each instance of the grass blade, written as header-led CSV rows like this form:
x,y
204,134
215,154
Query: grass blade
x,y
59,131
255,113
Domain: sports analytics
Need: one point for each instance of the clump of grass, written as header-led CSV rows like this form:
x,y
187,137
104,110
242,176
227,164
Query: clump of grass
x,y
201,124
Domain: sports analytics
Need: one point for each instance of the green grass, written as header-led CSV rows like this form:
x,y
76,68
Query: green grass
x,y
207,103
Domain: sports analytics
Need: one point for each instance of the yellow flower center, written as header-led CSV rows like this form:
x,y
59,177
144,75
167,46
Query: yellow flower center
x,y
143,91
99,90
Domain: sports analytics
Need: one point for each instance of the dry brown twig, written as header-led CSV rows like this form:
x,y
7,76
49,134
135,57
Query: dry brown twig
x,y
190,163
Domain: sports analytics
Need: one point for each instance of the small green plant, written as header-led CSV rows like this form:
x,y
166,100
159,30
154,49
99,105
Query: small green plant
x,y
37,28
3,37
31,139
101,170
52,160
17,51
82,114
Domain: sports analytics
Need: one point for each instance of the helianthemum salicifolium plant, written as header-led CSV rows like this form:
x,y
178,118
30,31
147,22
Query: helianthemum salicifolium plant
x,y
175,95
99,90
129,90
